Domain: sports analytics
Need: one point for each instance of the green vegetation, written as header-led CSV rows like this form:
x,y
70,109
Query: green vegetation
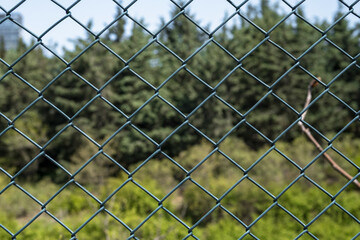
x,y
246,201
125,87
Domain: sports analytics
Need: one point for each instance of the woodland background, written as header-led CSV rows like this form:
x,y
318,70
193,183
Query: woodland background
x,y
130,89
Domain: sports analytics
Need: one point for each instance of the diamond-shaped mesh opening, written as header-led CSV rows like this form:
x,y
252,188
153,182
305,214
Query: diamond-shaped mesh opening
x,y
280,116
239,152
328,12
248,236
189,202
160,11
28,68
277,223
95,10
103,226
18,50
80,206
193,156
99,120
103,190
342,38
224,28
162,225
40,165
70,139
247,201
153,62
62,29
254,144
44,22
346,198
12,104
171,36
181,3
17,208
266,172
99,73
216,13
267,55
128,200
218,119
271,13
125,143
181,140
198,64
93,171
61,93
122,89
304,200
44,224
133,44
344,87
219,224
30,123
242,84
328,70
153,112
240,40
217,174
294,27
162,175
18,151
196,91
334,217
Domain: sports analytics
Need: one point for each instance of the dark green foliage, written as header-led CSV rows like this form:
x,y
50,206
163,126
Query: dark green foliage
x,y
103,92
134,94
126,86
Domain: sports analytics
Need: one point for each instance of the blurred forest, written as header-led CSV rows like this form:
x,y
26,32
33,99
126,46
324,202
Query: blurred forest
x,y
90,124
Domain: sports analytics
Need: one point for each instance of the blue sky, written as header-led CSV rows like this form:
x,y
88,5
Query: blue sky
x,y
38,15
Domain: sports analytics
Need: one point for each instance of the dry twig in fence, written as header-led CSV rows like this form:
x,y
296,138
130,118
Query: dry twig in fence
x,y
308,134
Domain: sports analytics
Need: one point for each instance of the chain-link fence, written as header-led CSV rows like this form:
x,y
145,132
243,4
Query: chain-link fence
x,y
47,94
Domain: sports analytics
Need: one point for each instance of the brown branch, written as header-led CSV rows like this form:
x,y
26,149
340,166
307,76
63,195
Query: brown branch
x,y
307,132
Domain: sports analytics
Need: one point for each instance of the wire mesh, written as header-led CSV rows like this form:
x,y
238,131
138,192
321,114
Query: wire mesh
x,y
212,92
